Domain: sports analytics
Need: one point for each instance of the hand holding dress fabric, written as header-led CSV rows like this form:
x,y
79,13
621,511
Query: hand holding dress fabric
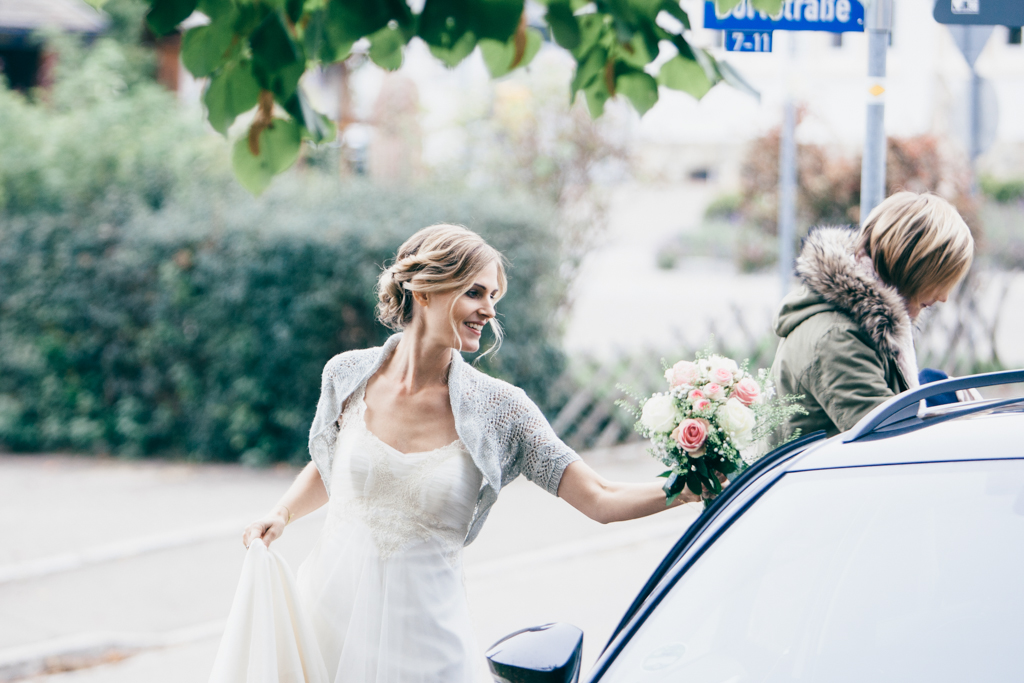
x,y
268,529
268,637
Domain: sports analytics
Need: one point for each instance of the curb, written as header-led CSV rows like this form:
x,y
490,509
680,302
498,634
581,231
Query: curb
x,y
92,649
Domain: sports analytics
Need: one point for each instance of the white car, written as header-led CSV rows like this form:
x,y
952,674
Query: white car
x,y
891,553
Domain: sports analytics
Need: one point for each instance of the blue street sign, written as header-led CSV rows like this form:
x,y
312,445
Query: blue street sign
x,y
748,41
833,16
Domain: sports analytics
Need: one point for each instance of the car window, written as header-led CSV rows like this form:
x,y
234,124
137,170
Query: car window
x,y
894,573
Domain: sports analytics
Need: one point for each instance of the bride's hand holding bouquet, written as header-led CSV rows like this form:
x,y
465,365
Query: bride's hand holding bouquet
x,y
710,422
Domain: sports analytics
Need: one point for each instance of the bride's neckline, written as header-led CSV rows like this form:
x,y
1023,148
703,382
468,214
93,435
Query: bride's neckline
x,y
361,417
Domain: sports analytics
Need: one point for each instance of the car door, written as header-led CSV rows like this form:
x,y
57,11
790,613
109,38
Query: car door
x,y
877,573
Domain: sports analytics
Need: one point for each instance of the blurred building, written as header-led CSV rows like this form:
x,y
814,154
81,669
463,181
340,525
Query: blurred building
x,y
927,82
23,60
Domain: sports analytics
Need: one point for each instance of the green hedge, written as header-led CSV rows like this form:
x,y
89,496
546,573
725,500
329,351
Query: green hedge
x,y
166,335
150,306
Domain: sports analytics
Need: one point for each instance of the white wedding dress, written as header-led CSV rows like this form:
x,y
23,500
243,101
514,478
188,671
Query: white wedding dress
x,y
382,589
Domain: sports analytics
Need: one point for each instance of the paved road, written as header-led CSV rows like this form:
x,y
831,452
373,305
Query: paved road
x,y
148,554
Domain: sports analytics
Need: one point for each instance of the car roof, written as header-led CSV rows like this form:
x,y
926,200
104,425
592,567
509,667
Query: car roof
x,y
992,430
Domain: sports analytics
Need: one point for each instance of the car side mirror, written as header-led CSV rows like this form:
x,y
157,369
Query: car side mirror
x,y
542,654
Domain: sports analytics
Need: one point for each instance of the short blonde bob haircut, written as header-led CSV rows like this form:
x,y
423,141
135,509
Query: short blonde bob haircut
x,y
917,243
437,259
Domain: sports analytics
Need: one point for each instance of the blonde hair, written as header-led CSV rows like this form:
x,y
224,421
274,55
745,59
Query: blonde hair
x,y
440,258
917,242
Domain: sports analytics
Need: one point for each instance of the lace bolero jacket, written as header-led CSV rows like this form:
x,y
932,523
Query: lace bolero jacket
x,y
505,432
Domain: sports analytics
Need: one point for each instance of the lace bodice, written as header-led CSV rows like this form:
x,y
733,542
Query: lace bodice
x,y
505,432
402,497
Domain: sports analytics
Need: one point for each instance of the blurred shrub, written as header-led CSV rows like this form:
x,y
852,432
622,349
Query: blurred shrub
x,y
828,183
148,305
725,207
1003,191
828,192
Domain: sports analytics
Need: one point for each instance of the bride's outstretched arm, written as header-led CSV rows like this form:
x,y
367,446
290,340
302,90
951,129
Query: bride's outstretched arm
x,y
610,501
306,494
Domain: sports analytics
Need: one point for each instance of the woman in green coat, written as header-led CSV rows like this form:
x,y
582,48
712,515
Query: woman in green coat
x,y
847,338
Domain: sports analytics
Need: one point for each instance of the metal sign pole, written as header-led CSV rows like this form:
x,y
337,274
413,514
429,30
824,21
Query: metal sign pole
x,y
878,24
787,174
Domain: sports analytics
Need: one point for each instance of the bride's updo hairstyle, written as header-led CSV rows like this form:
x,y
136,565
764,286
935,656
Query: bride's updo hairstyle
x,y
437,259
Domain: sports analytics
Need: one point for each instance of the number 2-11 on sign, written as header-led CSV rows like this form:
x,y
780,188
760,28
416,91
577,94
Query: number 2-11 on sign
x,y
748,41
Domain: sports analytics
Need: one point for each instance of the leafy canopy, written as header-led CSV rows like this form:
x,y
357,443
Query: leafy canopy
x,y
255,51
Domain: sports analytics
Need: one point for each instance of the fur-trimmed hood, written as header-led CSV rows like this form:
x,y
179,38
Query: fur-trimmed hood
x,y
835,278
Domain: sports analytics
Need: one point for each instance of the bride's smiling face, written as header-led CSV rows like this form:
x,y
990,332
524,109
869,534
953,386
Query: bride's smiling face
x,y
459,317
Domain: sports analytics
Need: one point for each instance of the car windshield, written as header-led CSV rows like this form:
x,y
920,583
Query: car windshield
x,y
894,573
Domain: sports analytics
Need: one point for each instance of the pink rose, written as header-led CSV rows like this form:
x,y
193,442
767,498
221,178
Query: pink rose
x,y
746,391
691,435
720,375
701,404
714,391
695,395
683,372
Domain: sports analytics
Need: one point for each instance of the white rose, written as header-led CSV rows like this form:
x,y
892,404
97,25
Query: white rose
x,y
659,414
723,363
736,419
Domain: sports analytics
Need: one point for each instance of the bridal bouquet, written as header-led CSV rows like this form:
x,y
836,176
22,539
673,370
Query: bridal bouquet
x,y
708,423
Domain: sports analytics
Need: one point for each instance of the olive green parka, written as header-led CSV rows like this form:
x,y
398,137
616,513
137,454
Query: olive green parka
x,y
846,337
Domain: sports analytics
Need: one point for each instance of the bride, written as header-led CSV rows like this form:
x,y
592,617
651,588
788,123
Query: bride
x,y
410,446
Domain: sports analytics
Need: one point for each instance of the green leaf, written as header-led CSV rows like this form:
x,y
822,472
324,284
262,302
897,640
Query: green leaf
x,y
205,48
686,75
318,127
640,88
293,9
635,53
594,30
723,6
674,484
386,48
499,56
355,19
733,78
673,9
232,91
443,23
459,51
215,9
323,42
648,9
277,61
772,8
98,4
495,19
702,468
694,482
563,24
272,46
597,94
165,15
590,70
708,63
279,148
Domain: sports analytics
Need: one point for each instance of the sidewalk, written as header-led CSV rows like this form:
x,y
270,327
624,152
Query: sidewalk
x,y
145,556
